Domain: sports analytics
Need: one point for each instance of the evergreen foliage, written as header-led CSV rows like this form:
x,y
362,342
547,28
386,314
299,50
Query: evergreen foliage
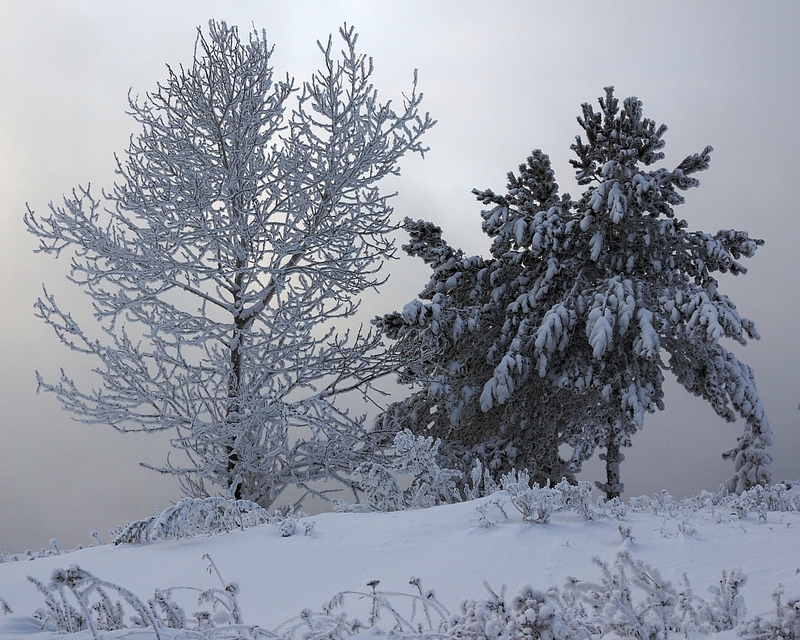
x,y
243,229
562,336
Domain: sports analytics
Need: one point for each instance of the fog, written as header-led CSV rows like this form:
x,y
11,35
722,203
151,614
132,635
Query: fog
x,y
502,78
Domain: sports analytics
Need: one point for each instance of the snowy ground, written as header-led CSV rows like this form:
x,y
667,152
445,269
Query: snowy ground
x,y
443,546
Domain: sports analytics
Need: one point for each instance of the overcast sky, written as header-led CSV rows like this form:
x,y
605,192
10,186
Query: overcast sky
x,y
502,78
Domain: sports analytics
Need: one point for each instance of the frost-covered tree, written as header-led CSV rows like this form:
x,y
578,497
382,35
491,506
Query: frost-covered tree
x,y
564,334
449,347
246,221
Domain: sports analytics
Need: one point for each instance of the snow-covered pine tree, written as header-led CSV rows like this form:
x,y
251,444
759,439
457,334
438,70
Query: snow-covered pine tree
x,y
238,236
560,337
450,347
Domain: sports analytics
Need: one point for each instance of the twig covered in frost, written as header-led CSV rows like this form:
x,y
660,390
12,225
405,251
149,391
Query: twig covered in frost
x,y
631,600
782,624
414,457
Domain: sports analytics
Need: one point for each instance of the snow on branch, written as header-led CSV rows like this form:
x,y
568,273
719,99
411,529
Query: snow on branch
x,y
563,336
246,223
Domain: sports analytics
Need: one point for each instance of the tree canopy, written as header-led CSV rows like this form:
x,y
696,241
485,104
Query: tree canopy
x,y
246,222
563,335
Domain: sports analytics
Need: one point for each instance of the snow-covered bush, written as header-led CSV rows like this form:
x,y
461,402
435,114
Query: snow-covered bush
x,y
782,624
615,507
29,554
727,610
204,516
481,482
649,618
75,599
404,615
631,600
61,613
416,458
758,499
530,614
381,489
537,504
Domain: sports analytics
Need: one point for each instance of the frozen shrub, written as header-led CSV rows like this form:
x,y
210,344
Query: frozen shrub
x,y
382,491
759,500
615,507
488,618
782,624
536,504
431,484
727,610
577,498
632,600
75,600
650,618
529,614
91,606
482,483
203,516
414,456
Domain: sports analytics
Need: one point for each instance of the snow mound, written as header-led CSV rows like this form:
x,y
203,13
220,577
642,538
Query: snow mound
x,y
649,568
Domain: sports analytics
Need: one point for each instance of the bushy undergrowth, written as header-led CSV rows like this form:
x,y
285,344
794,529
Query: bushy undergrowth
x,y
205,516
188,518
537,504
76,600
781,624
209,516
55,550
631,600
414,457
429,484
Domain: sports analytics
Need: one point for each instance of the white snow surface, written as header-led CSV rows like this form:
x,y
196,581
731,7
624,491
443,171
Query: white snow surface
x,y
444,546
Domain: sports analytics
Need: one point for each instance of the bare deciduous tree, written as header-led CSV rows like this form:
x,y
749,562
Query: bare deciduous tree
x,y
245,225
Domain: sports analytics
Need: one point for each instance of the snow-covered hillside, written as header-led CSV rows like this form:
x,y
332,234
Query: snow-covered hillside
x,y
452,549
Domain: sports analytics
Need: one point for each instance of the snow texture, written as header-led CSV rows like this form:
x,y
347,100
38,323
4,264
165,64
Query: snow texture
x,y
603,569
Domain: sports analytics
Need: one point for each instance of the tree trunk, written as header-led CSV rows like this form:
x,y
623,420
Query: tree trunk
x,y
613,457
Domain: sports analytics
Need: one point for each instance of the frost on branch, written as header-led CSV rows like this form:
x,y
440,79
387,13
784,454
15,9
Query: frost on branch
x,y
631,600
782,624
75,600
414,457
563,335
246,222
